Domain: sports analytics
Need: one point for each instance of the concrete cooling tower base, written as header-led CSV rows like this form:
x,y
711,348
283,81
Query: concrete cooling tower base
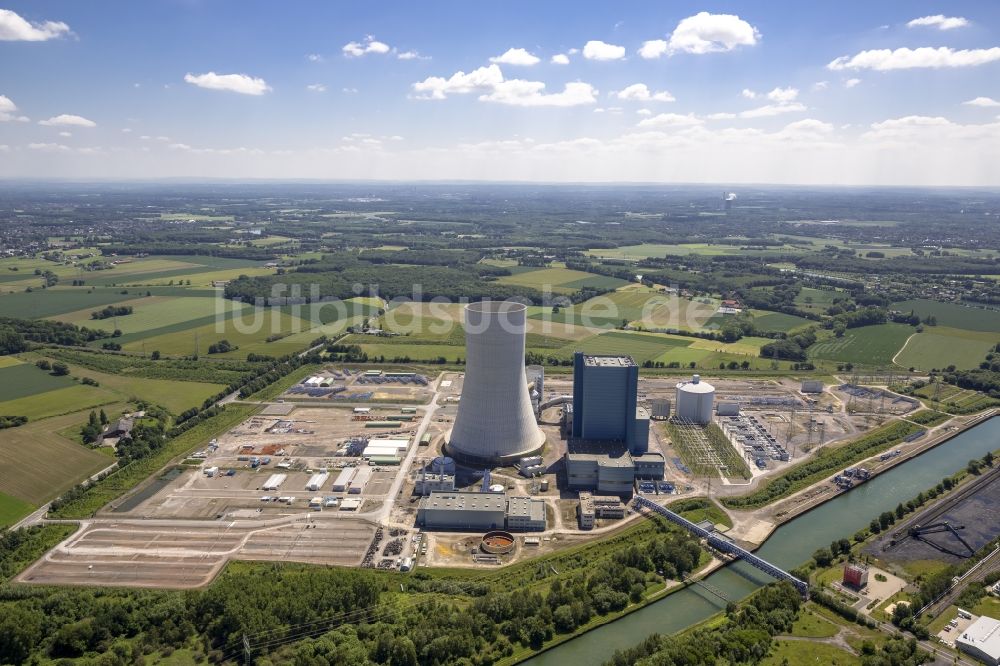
x,y
495,424
476,458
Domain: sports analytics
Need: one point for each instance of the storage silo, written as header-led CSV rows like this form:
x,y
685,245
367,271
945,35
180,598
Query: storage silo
x,y
495,423
694,401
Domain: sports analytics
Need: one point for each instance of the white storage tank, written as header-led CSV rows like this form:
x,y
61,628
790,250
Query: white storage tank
x,y
694,401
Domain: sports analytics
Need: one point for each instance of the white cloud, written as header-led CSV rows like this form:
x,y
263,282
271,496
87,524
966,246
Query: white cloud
x,y
411,55
595,49
349,91
314,57
711,33
982,101
516,92
489,82
238,83
14,28
66,134
671,120
48,147
481,79
4,148
67,119
721,116
749,94
370,45
127,130
808,126
769,110
925,56
516,56
850,83
644,112
7,110
821,85
560,59
640,92
653,48
316,87
940,21
783,95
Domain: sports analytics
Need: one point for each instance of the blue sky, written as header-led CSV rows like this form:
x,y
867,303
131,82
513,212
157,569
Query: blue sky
x,y
783,92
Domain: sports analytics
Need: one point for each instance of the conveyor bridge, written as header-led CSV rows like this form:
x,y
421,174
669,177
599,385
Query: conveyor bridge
x,y
725,545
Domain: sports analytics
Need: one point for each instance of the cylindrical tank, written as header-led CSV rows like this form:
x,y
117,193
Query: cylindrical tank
x,y
495,423
442,465
694,400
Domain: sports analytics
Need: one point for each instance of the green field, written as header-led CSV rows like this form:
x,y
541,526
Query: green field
x,y
153,312
765,320
42,303
954,315
248,332
561,280
808,653
817,300
52,403
646,250
176,396
23,380
941,346
36,463
868,345
12,510
641,347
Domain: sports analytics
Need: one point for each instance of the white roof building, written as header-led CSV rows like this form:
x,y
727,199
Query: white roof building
x,y
982,640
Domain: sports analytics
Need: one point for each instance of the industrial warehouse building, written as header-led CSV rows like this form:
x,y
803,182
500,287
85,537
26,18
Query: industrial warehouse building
x,y
596,506
480,511
982,640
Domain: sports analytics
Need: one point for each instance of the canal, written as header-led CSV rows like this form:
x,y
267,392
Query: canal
x,y
789,546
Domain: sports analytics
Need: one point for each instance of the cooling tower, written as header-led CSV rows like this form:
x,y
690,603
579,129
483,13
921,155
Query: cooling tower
x,y
495,423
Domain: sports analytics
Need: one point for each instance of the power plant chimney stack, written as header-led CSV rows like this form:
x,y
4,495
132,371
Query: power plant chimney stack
x,y
495,423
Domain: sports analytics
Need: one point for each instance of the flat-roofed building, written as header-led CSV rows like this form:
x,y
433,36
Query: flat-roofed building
x,y
429,483
981,639
463,511
525,514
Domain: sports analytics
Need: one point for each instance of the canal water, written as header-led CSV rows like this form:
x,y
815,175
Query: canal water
x,y
789,546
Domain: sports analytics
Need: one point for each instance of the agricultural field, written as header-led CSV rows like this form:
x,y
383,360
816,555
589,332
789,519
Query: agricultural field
x,y
561,280
52,403
42,303
155,312
640,306
868,345
249,333
817,300
12,510
765,320
24,379
165,269
941,346
175,396
646,250
36,463
953,315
